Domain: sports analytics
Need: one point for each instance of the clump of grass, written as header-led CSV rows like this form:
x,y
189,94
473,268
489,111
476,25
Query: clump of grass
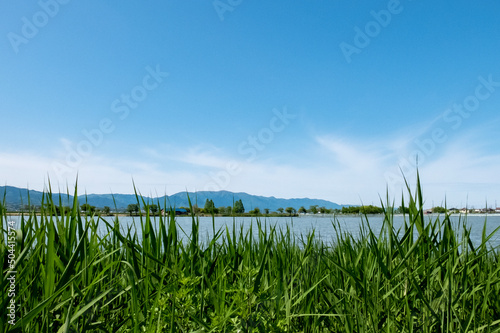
x,y
72,277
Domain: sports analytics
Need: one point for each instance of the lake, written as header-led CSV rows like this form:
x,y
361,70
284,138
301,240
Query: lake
x,y
325,231
322,225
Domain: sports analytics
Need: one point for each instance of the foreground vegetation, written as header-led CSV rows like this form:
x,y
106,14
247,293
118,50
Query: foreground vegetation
x,y
77,274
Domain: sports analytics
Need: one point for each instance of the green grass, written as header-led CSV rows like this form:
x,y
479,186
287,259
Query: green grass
x,y
426,277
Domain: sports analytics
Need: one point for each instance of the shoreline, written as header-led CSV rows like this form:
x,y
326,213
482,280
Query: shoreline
x,y
260,216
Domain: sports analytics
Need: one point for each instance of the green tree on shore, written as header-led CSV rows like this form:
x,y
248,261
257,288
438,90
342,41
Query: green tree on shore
x,y
153,209
313,209
402,210
362,210
439,209
133,208
255,211
88,209
290,210
238,207
324,210
209,207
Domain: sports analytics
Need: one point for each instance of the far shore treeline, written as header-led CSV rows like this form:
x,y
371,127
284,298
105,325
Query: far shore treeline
x,y
238,209
203,203
19,201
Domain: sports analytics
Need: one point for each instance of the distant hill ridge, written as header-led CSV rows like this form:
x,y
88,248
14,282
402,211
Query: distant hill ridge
x,y
17,197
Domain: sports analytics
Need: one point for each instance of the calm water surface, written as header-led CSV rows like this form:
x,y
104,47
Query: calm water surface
x,y
304,224
323,226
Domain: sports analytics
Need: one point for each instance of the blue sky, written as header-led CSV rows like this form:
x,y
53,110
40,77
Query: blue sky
x,y
320,99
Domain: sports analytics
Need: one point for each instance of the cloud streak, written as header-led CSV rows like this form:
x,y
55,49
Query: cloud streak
x,y
342,169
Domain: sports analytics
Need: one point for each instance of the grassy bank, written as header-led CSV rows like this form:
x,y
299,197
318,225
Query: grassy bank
x,y
71,278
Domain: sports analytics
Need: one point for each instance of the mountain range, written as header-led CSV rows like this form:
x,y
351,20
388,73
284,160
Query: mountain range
x,y
16,198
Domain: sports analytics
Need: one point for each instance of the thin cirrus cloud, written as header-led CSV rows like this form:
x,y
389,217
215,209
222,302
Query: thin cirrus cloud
x,y
463,169
356,157
347,170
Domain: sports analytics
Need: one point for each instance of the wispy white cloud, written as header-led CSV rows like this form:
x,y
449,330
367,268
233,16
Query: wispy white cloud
x,y
463,172
360,157
347,170
97,174
203,155
24,169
